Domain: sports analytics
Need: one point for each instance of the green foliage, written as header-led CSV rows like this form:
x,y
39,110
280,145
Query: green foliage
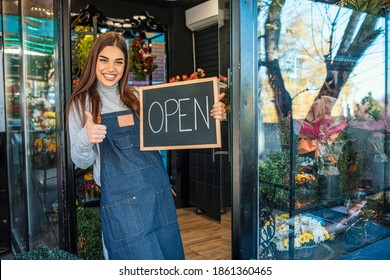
x,y
44,252
275,167
350,165
80,49
374,7
372,107
89,235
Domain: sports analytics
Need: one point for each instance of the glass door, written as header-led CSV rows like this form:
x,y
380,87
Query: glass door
x,y
324,130
31,79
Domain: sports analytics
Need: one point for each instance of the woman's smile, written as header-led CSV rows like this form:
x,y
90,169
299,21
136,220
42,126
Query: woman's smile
x,y
110,66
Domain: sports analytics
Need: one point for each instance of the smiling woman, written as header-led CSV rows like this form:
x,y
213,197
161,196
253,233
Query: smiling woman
x,y
110,66
137,209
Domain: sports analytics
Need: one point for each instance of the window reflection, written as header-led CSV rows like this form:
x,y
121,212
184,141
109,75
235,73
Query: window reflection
x,y
323,180
40,121
31,121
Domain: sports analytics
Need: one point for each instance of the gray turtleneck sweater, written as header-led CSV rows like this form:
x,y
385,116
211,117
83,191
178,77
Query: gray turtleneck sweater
x,y
83,153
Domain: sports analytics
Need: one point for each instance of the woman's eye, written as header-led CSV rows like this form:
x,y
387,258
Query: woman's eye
x,y
102,60
119,62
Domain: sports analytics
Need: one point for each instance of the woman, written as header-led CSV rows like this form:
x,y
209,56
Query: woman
x,y
137,208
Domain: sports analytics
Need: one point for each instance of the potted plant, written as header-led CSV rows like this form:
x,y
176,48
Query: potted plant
x,y
359,215
89,235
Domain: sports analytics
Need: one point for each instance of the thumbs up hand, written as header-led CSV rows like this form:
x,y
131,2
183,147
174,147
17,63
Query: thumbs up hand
x,y
96,132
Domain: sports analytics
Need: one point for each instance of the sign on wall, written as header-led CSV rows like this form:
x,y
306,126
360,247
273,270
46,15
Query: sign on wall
x,y
177,115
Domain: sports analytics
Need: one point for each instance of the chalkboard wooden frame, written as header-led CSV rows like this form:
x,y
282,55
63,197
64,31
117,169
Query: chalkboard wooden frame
x,y
202,92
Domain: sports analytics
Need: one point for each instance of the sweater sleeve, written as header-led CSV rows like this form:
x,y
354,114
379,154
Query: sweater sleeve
x,y
83,152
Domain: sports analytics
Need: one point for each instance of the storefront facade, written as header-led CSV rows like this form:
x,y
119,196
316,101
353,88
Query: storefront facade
x,y
308,127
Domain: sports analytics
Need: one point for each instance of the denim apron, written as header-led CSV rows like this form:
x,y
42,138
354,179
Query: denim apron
x,y
137,208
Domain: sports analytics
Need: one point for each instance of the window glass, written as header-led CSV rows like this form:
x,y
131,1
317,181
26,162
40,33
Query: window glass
x,y
323,163
40,122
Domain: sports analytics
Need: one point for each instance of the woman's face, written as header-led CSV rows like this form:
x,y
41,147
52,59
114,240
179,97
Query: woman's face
x,y
110,66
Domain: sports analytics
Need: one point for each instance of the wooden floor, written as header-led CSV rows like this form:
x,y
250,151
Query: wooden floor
x,y
201,235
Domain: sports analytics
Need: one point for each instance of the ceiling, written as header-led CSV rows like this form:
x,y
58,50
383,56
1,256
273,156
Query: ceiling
x,y
169,4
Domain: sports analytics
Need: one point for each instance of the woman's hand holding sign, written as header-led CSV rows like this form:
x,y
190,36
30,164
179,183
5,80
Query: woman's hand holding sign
x,y
218,111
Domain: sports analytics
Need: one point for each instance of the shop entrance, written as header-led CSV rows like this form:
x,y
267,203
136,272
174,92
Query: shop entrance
x,y
200,179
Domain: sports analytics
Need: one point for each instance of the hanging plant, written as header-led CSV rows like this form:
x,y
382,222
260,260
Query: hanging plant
x,y
141,61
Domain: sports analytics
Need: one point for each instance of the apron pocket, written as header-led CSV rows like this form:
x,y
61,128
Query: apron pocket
x,y
123,219
132,159
166,206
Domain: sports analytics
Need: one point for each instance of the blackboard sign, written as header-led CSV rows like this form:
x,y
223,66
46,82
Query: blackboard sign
x,y
177,115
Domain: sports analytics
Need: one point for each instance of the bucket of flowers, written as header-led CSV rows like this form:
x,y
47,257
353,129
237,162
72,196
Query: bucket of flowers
x,y
90,190
309,232
305,189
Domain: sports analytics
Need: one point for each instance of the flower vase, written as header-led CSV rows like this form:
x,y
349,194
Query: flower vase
x,y
328,174
328,188
378,168
356,233
139,78
91,196
88,197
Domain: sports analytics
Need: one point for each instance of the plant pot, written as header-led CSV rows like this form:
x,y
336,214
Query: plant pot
x,y
328,187
356,234
378,168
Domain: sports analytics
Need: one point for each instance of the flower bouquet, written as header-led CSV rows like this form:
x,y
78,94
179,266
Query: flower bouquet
x,y
199,73
141,61
305,189
370,125
90,190
308,233
318,132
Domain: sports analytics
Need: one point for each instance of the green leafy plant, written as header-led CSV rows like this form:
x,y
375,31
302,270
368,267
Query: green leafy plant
x,y
80,49
89,235
44,252
274,169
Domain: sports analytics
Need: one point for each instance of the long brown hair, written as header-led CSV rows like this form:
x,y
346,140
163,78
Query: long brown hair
x,y
88,82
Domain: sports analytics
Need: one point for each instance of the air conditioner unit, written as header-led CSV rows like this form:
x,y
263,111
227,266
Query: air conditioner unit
x,y
203,15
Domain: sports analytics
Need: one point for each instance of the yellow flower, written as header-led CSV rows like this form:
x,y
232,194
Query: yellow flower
x,y
302,238
309,236
326,233
88,176
49,114
285,242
